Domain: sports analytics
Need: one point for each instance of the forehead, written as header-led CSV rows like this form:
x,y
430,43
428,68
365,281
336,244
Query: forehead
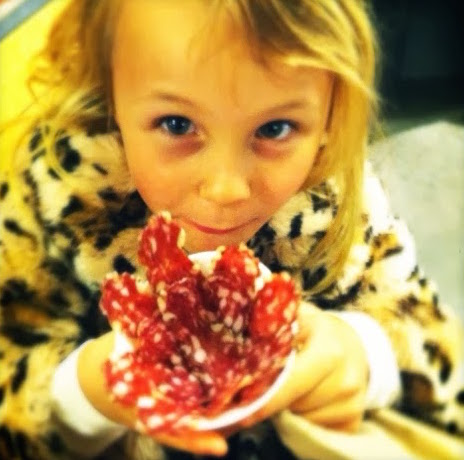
x,y
177,25
184,43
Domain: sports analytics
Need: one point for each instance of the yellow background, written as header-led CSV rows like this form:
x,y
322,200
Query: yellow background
x,y
16,49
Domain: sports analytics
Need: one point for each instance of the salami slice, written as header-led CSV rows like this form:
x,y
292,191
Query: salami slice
x,y
238,262
184,300
204,342
229,300
128,302
274,308
161,251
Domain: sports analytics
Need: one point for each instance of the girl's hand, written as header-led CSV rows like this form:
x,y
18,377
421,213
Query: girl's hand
x,y
328,383
92,382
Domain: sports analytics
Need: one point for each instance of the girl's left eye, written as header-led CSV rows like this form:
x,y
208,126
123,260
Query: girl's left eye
x,y
176,125
275,129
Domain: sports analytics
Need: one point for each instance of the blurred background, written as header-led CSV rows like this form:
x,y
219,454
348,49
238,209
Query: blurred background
x,y
421,157
421,160
422,60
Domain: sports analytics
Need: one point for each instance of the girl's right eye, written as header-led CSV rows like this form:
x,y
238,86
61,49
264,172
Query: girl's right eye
x,y
175,125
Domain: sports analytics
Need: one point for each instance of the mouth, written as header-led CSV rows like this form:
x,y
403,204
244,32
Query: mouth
x,y
216,230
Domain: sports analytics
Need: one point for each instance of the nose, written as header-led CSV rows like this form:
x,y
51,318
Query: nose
x,y
225,178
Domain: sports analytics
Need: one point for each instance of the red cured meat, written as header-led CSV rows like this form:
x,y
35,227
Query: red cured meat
x,y
128,302
274,308
229,300
238,262
161,252
202,343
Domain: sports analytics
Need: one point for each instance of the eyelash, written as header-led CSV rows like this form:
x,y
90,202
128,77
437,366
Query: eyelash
x,y
160,123
290,125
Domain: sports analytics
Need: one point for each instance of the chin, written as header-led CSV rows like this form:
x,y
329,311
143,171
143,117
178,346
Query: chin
x,y
212,242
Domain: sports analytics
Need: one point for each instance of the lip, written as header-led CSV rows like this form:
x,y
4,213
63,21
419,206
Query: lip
x,y
215,230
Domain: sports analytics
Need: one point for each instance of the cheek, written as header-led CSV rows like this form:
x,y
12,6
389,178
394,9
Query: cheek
x,y
160,187
290,182
284,180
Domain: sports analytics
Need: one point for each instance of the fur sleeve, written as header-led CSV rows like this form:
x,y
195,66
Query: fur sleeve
x,y
38,326
61,229
382,278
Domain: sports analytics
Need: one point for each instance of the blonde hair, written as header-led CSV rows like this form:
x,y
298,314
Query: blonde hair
x,y
335,35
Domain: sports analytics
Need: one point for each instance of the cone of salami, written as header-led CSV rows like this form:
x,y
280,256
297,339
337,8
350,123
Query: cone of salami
x,y
207,338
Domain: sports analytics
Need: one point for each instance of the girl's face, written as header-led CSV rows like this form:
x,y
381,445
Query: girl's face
x,y
215,138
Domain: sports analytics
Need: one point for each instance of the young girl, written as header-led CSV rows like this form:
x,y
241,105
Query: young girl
x,y
248,121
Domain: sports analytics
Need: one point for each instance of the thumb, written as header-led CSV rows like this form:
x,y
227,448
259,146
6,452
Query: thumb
x,y
307,370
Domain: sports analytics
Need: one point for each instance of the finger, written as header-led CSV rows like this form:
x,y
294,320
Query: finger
x,y
349,378
298,383
319,365
313,365
305,316
347,426
338,412
200,443
338,386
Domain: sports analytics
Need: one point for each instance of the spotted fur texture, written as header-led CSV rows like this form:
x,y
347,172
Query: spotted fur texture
x,y
63,228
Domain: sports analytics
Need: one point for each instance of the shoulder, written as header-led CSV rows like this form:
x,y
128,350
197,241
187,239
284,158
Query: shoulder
x,y
287,242
68,211
287,239
392,250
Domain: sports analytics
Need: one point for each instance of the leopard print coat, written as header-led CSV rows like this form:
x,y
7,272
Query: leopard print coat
x,y
63,228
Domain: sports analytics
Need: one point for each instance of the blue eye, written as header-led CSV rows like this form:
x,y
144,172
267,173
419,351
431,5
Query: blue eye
x,y
276,129
176,125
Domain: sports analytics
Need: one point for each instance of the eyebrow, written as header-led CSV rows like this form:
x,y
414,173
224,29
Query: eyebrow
x,y
296,104
169,97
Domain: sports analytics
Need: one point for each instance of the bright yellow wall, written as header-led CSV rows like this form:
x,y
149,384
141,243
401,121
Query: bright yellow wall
x,y
16,48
